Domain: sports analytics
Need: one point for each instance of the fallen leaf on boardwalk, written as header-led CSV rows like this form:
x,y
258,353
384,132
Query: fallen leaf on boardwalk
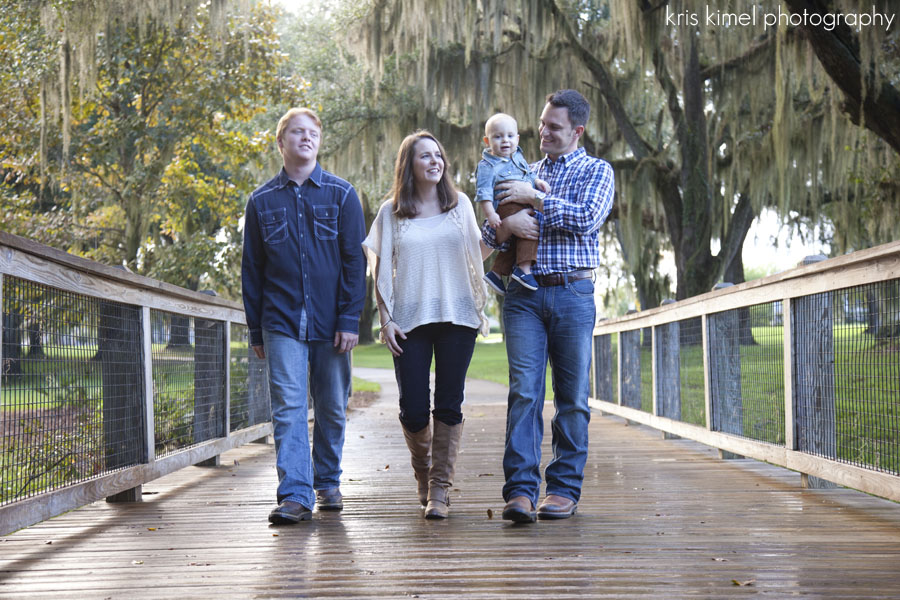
x,y
137,562
274,535
485,474
48,542
151,529
362,437
490,514
743,583
386,467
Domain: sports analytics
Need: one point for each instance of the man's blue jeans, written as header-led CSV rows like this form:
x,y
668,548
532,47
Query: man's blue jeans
x,y
553,323
295,368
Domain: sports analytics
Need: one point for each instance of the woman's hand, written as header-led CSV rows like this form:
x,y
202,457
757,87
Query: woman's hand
x,y
389,335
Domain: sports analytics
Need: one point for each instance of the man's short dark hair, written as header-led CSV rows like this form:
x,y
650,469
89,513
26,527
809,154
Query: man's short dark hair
x,y
579,108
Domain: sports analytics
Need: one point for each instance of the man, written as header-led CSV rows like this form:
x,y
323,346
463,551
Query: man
x,y
303,279
556,321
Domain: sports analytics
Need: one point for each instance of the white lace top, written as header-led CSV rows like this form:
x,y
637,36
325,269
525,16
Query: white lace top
x,y
431,269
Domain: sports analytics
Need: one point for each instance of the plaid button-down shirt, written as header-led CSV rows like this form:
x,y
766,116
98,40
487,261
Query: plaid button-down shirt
x,y
581,195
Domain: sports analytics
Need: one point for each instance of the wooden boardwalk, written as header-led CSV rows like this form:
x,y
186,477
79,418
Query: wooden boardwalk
x,y
658,519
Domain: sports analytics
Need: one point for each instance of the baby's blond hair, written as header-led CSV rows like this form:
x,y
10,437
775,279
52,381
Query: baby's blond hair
x,y
498,117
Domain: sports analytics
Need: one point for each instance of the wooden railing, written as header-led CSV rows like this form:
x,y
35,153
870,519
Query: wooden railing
x,y
800,369
111,380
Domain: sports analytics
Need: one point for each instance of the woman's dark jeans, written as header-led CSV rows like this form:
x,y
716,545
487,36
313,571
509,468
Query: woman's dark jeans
x,y
452,347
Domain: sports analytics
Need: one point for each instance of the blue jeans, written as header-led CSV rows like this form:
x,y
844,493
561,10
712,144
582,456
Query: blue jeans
x,y
299,369
452,347
553,323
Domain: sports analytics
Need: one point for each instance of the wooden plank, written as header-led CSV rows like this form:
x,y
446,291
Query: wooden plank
x,y
45,506
657,519
707,394
149,403
122,289
788,335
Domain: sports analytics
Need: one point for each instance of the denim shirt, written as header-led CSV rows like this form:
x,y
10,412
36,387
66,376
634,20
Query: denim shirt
x,y
303,249
492,170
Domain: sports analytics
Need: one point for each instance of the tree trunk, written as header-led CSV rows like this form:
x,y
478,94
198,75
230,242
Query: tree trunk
x,y
179,332
12,344
35,339
734,273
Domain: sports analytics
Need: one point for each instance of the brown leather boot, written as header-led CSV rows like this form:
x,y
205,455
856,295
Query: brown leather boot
x,y
419,444
444,450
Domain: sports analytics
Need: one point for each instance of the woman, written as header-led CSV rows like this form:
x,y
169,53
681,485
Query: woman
x,y
425,250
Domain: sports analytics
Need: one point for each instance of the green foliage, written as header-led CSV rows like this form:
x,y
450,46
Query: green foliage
x,y
149,161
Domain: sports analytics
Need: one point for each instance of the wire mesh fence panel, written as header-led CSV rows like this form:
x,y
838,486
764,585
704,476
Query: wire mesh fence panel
x,y
72,388
725,373
636,375
614,365
249,382
188,380
761,339
847,375
690,367
746,373
603,369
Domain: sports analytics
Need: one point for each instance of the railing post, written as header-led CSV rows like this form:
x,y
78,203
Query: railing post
x,y
812,324
147,366
725,373
667,371
227,353
2,331
790,440
120,338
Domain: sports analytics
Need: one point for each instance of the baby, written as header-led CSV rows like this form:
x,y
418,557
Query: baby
x,y
503,160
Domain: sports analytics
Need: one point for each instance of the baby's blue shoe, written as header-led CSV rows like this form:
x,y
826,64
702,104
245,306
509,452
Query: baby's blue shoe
x,y
526,280
495,282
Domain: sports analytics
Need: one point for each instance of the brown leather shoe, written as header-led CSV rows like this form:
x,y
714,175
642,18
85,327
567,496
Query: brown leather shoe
x,y
519,510
556,507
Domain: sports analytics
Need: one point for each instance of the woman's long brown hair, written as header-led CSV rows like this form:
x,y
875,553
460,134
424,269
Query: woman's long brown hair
x,y
404,188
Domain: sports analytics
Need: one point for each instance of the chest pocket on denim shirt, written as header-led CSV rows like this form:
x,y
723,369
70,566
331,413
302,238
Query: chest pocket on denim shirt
x,y
273,225
326,218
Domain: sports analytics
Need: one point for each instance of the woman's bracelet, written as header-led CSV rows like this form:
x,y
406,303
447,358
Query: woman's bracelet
x,y
389,321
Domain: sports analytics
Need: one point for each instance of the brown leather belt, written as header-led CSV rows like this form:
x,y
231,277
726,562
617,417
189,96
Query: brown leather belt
x,y
563,278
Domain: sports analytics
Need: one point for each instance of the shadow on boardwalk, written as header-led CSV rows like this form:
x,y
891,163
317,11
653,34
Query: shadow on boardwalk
x,y
658,519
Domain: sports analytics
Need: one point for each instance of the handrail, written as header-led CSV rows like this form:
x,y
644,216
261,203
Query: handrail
x,y
831,405
110,401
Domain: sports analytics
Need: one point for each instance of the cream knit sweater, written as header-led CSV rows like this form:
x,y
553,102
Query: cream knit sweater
x,y
430,269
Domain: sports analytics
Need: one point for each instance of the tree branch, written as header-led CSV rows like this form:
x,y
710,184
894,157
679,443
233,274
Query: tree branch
x,y
838,52
638,145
